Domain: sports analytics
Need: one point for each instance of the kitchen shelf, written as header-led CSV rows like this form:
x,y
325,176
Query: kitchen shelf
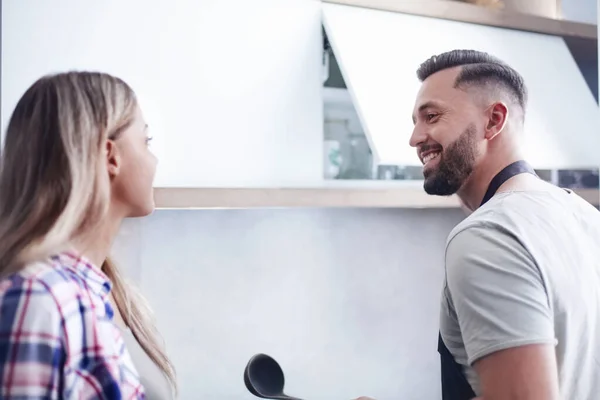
x,y
463,12
370,196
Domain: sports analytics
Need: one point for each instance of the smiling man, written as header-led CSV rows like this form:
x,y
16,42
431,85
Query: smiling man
x,y
520,308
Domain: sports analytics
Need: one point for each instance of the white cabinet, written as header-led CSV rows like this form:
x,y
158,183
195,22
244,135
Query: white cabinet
x,y
379,53
231,89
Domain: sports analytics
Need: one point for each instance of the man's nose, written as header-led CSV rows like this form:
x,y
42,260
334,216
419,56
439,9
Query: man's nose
x,y
418,136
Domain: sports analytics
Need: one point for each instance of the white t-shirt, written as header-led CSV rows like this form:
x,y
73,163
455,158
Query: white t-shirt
x,y
525,268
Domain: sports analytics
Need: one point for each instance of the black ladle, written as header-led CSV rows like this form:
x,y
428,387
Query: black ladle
x,y
264,378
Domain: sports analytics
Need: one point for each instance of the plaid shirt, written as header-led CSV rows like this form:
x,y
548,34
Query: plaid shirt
x,y
57,337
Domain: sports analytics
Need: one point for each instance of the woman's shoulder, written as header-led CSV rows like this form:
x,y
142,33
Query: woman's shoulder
x,y
54,319
35,304
56,284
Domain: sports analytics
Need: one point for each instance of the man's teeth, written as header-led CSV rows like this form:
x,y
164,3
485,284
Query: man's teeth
x,y
430,157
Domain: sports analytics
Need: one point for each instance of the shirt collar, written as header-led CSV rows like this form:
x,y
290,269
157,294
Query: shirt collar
x,y
93,276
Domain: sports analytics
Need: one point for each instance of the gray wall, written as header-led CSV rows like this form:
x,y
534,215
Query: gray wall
x,y
580,10
346,300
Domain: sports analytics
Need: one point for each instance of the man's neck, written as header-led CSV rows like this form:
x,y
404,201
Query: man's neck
x,y
473,191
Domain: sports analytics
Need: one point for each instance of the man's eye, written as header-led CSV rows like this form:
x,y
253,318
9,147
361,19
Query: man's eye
x,y
431,116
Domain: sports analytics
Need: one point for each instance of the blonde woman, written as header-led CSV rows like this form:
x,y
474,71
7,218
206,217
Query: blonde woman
x,y
75,163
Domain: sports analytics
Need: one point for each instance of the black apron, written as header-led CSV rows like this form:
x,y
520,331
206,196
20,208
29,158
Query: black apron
x,y
455,385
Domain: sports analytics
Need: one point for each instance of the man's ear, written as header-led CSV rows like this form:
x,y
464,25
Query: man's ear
x,y
113,159
497,115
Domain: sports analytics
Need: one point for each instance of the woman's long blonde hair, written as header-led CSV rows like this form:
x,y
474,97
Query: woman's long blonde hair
x,y
52,189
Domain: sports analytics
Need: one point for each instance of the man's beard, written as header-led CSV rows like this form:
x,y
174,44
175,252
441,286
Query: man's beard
x,y
454,167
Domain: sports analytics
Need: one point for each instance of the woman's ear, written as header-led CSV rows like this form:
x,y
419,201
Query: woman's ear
x,y
497,117
113,159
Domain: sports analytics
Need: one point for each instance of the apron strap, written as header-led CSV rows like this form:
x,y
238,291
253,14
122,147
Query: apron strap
x,y
455,385
516,168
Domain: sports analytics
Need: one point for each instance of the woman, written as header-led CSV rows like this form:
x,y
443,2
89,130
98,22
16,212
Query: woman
x,y
75,163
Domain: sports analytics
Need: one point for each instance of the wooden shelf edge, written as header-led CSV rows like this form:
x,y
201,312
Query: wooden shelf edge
x,y
463,12
206,198
592,196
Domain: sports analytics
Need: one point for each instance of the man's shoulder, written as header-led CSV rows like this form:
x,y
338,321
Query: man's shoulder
x,y
490,219
513,213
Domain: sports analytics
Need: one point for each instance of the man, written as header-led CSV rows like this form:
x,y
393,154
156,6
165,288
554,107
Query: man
x,y
520,308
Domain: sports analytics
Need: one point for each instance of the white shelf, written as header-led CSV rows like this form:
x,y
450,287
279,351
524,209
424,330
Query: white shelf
x,y
326,196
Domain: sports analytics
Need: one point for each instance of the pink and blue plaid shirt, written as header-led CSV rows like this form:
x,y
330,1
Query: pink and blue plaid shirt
x,y
57,336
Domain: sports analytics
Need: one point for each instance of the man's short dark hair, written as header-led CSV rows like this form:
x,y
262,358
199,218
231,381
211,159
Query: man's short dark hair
x,y
478,68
